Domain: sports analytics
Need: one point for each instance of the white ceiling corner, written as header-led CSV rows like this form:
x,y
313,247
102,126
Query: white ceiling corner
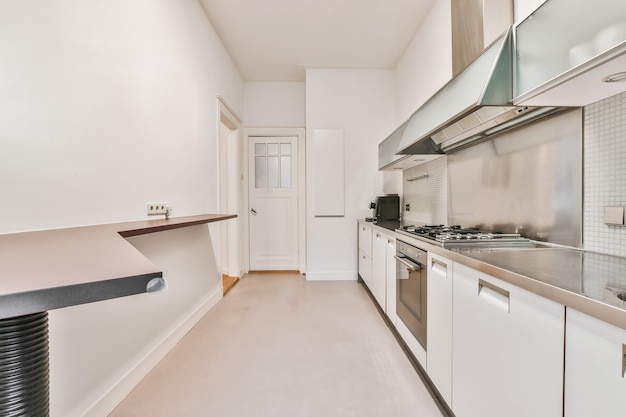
x,y
276,40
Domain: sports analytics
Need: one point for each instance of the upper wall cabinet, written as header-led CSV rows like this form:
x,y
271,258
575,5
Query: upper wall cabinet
x,y
566,50
389,161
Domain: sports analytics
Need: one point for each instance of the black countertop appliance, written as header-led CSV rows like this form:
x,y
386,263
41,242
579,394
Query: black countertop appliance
x,y
387,207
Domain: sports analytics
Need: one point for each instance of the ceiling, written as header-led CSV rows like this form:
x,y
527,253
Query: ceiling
x,y
276,40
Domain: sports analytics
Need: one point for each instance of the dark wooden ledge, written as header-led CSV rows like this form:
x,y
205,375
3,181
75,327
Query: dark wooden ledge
x,y
49,269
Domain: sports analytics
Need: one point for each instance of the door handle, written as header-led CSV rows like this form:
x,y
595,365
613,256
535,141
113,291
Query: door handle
x,y
502,296
253,211
412,266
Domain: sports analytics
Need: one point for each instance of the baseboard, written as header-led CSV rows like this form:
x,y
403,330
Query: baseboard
x,y
107,403
331,276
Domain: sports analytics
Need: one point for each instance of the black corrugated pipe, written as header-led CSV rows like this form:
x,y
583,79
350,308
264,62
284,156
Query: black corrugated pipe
x,y
24,366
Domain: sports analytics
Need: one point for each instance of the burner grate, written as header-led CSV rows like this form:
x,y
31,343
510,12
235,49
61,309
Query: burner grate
x,y
457,235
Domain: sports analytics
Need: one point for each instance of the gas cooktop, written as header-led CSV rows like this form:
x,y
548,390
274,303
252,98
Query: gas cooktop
x,y
449,236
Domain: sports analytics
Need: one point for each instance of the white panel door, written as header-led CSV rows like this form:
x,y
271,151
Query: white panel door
x,y
273,194
595,367
507,349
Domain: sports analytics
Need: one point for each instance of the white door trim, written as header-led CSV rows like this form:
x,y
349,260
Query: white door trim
x,y
229,118
277,132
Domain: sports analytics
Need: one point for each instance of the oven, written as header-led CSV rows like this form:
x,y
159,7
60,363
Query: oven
x,y
411,285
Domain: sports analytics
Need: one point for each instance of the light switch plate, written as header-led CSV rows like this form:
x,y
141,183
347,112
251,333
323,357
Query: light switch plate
x,y
614,215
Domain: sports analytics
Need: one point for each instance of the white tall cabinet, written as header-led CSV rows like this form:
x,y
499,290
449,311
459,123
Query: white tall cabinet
x,y
595,362
507,349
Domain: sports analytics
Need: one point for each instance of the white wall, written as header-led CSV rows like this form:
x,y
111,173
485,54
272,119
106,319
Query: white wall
x,y
361,102
523,8
100,351
275,104
107,105
104,106
426,65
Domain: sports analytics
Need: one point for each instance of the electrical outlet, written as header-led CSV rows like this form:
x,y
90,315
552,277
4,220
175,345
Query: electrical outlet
x,y
154,209
407,207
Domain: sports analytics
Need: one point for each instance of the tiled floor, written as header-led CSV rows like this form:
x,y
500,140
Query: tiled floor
x,y
277,346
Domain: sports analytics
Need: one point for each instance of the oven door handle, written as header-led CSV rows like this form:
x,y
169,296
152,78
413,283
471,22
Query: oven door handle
x,y
411,265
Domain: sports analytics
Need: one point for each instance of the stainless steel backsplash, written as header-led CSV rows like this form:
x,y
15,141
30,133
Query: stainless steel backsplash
x,y
526,181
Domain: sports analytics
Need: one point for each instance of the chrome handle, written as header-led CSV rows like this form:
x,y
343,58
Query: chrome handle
x,y
500,294
412,266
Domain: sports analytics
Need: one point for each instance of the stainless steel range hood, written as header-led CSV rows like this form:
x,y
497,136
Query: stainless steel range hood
x,y
568,53
472,106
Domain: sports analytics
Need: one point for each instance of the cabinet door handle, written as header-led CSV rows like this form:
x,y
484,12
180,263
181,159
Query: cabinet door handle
x,y
502,296
439,267
440,263
377,235
623,360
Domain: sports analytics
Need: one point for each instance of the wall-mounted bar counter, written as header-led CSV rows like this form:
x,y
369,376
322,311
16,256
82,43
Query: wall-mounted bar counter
x,y
50,269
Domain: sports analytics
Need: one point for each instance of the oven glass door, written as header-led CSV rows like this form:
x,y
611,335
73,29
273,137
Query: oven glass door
x,y
411,296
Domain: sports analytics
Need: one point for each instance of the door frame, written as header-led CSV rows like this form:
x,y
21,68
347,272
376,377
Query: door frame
x,y
230,230
299,133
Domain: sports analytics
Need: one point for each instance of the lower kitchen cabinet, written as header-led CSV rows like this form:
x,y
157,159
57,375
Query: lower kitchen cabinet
x,y
365,252
507,349
439,357
365,268
378,285
595,362
390,307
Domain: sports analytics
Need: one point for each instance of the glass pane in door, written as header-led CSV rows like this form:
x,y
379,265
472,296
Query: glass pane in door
x,y
260,172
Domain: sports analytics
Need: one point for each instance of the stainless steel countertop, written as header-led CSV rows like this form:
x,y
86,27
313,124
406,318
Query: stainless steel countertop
x,y
586,281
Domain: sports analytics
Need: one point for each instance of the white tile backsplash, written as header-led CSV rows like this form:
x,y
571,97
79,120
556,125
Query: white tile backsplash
x,y
428,197
604,173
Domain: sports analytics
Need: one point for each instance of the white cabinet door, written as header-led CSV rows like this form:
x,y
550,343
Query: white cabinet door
x,y
378,285
365,238
365,253
439,357
507,349
595,360
390,307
